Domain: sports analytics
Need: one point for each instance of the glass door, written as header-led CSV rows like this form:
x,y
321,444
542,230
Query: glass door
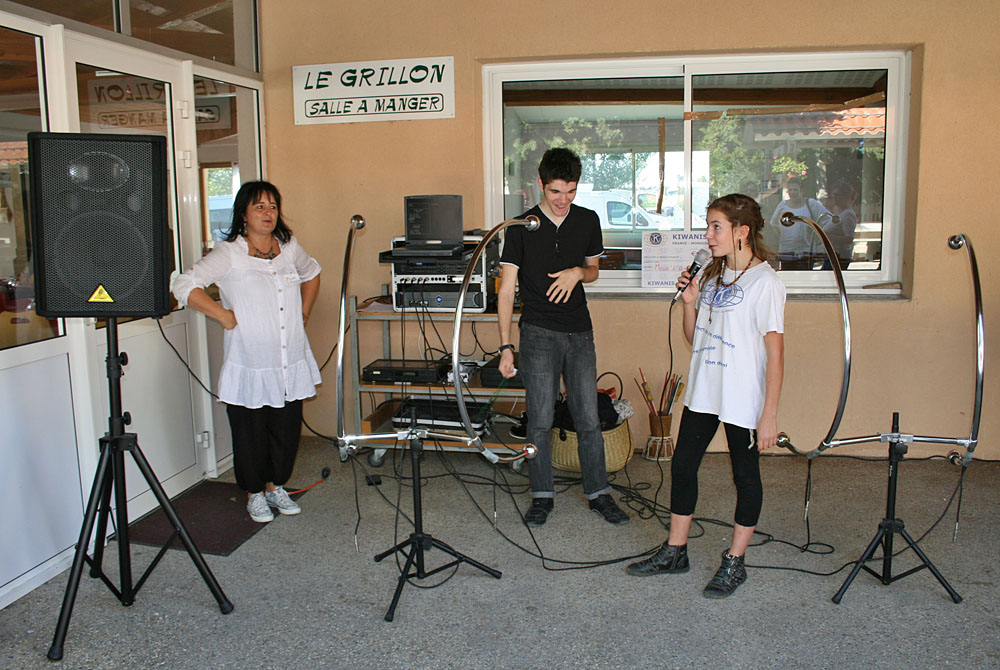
x,y
120,90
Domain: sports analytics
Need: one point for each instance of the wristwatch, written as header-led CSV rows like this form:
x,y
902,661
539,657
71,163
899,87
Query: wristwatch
x,y
504,347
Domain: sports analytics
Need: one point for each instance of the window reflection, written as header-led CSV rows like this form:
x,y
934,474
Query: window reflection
x,y
808,143
20,113
99,13
221,31
204,28
227,150
629,136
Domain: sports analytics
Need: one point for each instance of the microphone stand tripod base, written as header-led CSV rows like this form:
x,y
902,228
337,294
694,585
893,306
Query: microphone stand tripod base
x,y
890,526
419,541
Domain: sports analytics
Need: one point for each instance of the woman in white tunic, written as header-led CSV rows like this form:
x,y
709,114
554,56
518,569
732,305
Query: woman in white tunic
x,y
268,285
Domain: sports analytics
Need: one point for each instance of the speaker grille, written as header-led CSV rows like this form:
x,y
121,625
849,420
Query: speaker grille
x,y
99,224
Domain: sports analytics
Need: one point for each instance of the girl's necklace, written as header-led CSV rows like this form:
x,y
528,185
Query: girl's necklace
x,y
719,282
266,255
724,284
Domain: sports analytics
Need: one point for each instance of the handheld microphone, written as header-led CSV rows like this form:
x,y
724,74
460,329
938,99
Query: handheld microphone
x,y
700,259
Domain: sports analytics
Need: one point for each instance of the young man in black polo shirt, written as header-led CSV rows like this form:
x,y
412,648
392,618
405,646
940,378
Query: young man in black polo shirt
x,y
551,265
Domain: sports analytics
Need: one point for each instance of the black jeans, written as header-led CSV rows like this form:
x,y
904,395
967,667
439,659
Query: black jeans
x,y
265,442
693,436
546,355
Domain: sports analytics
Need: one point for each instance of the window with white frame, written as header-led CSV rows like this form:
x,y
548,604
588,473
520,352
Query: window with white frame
x,y
821,135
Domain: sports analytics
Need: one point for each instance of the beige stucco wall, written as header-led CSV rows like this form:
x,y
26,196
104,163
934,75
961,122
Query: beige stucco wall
x,y
915,356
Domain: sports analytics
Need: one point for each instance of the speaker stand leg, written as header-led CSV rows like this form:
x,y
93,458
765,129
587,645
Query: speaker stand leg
x,y
111,475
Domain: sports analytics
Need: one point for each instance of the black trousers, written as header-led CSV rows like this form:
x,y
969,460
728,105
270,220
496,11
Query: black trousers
x,y
693,437
265,442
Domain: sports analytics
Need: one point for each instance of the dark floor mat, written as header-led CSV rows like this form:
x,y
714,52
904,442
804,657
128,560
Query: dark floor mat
x,y
214,514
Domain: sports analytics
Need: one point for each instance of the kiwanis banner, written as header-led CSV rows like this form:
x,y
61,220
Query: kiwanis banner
x,y
391,90
666,254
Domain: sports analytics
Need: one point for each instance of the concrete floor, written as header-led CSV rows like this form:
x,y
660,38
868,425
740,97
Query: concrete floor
x,y
305,598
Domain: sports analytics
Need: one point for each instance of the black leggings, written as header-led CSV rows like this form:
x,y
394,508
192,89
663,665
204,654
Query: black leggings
x,y
693,438
265,442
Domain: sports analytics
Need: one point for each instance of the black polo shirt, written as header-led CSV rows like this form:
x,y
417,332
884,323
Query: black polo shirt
x,y
551,249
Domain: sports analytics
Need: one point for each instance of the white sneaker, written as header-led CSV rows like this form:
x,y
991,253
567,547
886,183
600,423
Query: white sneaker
x,y
258,509
278,498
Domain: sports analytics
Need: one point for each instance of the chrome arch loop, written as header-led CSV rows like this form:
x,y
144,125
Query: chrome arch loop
x,y
529,451
789,219
955,242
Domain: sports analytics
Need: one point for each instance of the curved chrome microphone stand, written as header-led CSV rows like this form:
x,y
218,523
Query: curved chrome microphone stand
x,y
789,219
418,542
897,441
529,451
970,443
957,242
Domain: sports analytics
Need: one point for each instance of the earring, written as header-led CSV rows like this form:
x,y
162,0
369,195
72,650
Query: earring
x,y
739,244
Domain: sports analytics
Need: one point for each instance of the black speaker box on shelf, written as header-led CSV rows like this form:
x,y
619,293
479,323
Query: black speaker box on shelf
x,y
99,233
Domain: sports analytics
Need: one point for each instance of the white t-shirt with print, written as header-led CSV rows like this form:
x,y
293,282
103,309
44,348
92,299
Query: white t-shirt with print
x,y
728,360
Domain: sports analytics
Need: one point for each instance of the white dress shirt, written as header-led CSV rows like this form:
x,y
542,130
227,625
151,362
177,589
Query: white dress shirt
x,y
267,358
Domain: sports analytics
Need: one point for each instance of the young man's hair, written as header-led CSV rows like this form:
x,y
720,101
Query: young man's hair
x,y
559,163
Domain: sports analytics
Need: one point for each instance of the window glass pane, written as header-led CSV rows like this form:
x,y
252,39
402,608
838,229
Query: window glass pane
x,y
227,150
20,113
113,102
205,28
629,135
812,143
98,13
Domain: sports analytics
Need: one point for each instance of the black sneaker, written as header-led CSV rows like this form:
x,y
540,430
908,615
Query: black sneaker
x,y
519,431
667,560
539,511
605,505
731,574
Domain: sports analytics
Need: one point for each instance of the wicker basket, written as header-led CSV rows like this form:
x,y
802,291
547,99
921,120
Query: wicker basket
x,y
617,449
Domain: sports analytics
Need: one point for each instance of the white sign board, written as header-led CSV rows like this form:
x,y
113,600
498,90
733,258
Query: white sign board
x,y
391,90
666,254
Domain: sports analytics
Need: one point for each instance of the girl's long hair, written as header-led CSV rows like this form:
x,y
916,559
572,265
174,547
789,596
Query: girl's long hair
x,y
741,210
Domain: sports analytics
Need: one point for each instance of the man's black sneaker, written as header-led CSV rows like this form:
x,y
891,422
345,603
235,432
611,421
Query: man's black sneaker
x,y
605,505
666,561
730,575
539,511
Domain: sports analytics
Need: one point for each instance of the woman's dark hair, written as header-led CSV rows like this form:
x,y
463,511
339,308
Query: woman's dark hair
x,y
741,210
249,193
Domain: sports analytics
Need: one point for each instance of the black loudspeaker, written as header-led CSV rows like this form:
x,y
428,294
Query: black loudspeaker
x,y
100,239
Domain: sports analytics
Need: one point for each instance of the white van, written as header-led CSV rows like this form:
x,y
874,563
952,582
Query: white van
x,y
622,222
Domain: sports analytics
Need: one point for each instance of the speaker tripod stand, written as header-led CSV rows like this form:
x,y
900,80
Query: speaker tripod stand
x,y
110,476
419,541
890,525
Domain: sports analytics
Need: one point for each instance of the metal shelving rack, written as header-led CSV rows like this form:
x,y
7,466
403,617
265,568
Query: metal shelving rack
x,y
386,319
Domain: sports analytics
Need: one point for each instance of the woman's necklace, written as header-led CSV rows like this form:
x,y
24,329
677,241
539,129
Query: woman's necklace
x,y
266,255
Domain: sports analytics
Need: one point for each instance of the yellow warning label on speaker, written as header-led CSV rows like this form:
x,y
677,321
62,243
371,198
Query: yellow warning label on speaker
x,y
100,295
